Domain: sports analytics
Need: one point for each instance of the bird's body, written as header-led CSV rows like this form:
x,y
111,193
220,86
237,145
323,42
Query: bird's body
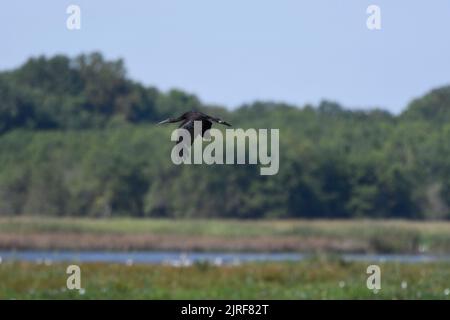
x,y
188,119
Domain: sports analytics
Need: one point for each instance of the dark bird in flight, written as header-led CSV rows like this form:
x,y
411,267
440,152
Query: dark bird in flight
x,y
187,123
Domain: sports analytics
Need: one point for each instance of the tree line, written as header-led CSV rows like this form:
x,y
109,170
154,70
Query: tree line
x,y
78,138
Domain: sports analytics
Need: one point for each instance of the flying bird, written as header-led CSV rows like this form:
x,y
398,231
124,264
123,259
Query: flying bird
x,y
187,123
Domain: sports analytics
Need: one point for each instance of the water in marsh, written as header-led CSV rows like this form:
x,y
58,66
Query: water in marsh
x,y
185,259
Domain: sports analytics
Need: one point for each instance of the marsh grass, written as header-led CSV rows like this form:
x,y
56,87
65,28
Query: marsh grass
x,y
318,278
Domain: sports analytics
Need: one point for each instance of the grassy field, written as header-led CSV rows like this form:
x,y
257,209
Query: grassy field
x,y
379,236
311,279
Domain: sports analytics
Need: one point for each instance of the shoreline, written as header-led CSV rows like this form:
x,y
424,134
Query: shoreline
x,y
303,236
135,242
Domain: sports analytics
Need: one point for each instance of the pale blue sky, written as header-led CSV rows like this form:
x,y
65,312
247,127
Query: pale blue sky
x,y
230,52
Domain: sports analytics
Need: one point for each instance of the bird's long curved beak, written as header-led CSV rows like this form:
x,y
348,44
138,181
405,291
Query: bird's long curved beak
x,y
225,123
164,121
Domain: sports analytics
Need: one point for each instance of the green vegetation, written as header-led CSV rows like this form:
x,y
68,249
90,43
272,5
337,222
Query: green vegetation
x,y
379,236
314,279
77,138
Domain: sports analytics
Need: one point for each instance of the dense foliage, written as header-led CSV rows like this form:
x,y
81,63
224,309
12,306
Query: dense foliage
x,y
77,137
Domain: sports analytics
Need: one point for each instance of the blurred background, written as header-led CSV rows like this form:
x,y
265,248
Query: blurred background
x,y
86,176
